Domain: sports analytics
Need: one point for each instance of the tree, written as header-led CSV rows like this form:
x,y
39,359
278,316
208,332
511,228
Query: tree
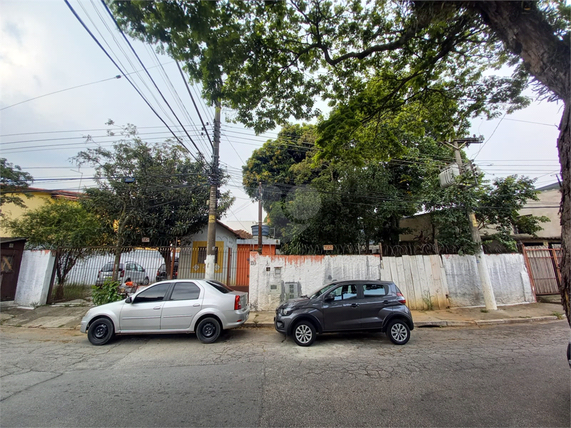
x,y
13,181
271,60
152,191
64,227
496,206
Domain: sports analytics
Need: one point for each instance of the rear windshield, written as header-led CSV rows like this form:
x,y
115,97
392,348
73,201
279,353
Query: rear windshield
x,y
223,288
109,267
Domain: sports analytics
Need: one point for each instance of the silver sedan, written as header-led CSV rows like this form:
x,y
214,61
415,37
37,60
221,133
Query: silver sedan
x,y
179,306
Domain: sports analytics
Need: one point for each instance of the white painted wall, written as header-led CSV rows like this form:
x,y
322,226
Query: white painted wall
x,y
34,278
447,281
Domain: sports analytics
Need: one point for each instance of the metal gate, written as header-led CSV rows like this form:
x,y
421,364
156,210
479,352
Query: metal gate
x,y
543,267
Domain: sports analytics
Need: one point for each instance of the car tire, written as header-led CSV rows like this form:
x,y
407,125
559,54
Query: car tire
x,y
146,281
304,333
208,330
398,332
100,331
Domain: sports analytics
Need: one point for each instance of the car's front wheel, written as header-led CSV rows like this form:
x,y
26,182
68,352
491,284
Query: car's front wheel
x,y
208,330
398,332
304,333
100,331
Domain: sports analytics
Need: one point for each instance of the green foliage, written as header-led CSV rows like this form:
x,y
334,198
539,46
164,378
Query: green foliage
x,y
311,201
496,205
60,223
65,227
271,61
13,181
106,293
163,198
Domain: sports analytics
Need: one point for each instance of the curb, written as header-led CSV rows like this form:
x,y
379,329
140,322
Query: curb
x,y
481,323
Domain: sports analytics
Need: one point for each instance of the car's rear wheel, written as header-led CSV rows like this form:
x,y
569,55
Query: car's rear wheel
x,y
208,330
304,333
146,281
398,332
100,331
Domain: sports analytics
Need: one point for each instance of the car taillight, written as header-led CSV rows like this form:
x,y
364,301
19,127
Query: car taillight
x,y
122,273
237,304
401,298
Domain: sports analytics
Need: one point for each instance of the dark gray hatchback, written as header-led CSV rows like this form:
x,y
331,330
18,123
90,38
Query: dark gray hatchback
x,y
347,306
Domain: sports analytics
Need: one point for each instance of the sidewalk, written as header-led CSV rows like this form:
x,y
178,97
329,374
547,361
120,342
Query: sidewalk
x,y
68,315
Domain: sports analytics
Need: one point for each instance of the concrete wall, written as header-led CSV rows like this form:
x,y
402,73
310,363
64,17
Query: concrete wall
x,y
426,281
508,276
271,277
34,279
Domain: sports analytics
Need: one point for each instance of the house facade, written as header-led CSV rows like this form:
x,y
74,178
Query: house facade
x,y
33,198
232,258
421,229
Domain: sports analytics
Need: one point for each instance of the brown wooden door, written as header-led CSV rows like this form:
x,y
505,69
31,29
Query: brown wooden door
x,y
10,260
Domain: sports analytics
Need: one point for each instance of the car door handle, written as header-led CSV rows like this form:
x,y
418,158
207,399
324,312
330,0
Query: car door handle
x,y
354,305
196,305
156,308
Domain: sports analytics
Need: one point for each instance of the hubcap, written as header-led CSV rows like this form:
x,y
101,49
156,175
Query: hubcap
x,y
303,333
208,329
100,331
398,332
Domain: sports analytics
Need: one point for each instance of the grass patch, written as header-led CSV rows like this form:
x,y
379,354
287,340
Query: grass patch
x,y
485,311
73,292
559,315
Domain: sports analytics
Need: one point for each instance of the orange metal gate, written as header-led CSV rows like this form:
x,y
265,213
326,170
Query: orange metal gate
x,y
543,267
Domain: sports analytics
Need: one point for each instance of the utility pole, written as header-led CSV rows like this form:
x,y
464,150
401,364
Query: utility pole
x,y
487,290
213,203
260,244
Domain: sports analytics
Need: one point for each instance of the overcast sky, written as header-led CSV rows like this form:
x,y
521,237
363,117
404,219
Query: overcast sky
x,y
44,49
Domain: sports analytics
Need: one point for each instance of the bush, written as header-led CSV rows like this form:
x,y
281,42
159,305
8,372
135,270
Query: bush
x,y
106,293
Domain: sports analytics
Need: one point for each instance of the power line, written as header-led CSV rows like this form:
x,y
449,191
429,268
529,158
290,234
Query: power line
x,y
149,75
132,84
194,103
62,90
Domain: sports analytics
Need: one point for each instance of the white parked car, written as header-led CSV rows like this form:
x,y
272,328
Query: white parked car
x,y
176,306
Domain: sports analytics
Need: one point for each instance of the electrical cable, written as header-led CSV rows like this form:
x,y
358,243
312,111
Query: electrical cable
x,y
117,65
62,90
194,103
150,77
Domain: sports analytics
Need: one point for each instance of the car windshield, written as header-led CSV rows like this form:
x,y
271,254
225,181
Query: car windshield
x,y
321,291
223,288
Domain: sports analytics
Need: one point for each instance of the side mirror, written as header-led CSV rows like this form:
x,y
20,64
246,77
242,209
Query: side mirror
x,y
129,300
329,298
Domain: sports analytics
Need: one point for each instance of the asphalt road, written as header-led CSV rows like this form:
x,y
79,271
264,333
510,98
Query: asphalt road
x,y
510,375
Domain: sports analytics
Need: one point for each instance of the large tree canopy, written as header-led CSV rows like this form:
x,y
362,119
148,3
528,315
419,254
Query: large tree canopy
x,y
271,60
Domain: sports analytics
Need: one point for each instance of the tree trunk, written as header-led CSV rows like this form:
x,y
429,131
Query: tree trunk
x,y
564,144
528,35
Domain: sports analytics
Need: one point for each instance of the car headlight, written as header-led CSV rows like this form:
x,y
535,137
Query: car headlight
x,y
287,311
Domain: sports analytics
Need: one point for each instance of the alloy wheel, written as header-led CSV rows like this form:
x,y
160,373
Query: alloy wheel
x,y
303,333
399,332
